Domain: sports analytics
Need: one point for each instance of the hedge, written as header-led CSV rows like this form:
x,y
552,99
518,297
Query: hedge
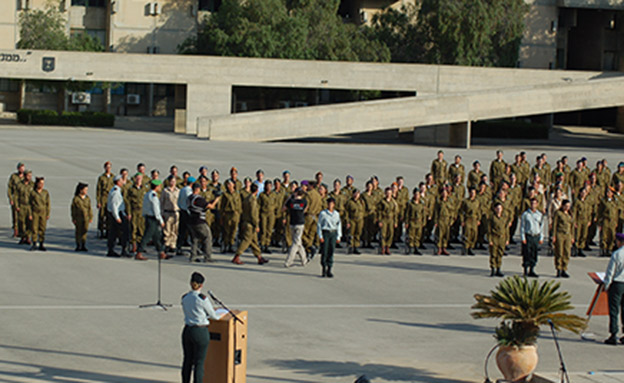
x,y
50,117
510,129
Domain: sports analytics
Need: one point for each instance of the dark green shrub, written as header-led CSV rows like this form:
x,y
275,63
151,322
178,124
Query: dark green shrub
x,y
50,117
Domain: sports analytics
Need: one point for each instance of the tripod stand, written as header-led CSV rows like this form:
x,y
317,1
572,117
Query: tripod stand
x,y
564,372
158,303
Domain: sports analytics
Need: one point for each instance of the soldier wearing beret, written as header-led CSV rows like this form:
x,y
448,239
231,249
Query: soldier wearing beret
x,y
12,188
104,186
39,213
23,208
562,238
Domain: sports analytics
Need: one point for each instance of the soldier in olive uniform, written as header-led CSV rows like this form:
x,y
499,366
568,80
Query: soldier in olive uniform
x,y
173,172
474,176
348,188
470,216
484,197
562,238
231,207
582,218
104,185
14,181
81,215
341,202
355,210
134,208
315,206
415,220
23,207
39,213
497,229
267,203
497,169
402,198
442,218
439,169
619,174
608,215
387,220
457,169
250,222
280,194
577,179
370,204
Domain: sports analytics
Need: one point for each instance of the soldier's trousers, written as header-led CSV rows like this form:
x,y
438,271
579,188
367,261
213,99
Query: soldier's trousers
x,y
482,230
514,226
39,224
497,249
471,229
215,225
370,228
581,232
137,227
249,239
170,232
563,246
607,236
267,222
288,234
356,231
443,231
13,217
195,340
529,257
591,233
309,230
153,232
117,231
23,224
398,231
82,227
297,247
328,247
230,225
616,306
183,229
279,230
201,238
103,219
414,234
386,233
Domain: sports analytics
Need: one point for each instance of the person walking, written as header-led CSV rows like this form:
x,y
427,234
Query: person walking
x,y
81,215
532,235
195,336
170,213
199,227
154,222
250,222
296,208
329,230
614,285
39,213
117,220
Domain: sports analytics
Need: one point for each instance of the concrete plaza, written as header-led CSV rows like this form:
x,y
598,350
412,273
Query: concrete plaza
x,y
74,317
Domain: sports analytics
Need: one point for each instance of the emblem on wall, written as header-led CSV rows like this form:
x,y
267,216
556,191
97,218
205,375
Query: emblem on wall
x,y
48,64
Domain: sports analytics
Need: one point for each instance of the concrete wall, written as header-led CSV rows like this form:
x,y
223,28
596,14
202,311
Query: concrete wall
x,y
539,44
593,4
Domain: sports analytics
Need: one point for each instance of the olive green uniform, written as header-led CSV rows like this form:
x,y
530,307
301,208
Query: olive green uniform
x,y
443,217
267,203
370,218
134,207
415,219
279,230
439,170
474,178
23,204
40,212
104,186
81,215
470,215
617,176
497,229
355,211
582,216
250,221
577,181
497,170
315,206
608,215
12,186
231,207
387,217
402,199
562,232
455,170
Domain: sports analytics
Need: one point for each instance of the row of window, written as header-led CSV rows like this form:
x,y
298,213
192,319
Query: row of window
x,y
203,5
89,3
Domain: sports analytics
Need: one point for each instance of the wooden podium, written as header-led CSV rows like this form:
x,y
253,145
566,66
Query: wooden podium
x,y
600,302
226,360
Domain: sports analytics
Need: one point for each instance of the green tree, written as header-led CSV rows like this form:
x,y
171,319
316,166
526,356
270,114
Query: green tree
x,y
293,29
399,30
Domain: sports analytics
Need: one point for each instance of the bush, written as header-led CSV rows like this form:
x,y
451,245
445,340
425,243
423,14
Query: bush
x,y
50,117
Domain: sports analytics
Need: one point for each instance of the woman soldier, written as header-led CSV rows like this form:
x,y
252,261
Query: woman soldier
x,y
81,215
40,213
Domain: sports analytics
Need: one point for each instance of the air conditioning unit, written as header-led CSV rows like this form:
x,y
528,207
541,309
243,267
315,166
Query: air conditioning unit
x,y
154,8
115,6
133,99
81,98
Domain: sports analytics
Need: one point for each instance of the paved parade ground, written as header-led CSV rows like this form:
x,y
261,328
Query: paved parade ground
x,y
74,317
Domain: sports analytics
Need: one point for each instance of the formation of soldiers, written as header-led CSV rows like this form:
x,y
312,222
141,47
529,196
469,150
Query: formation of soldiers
x,y
474,208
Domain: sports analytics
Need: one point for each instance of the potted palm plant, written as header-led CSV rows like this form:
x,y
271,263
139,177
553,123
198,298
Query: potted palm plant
x,y
524,306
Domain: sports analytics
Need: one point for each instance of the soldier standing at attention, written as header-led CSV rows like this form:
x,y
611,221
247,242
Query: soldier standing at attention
x,y
354,212
195,336
619,174
40,213
23,208
341,201
457,169
135,207
582,217
315,205
329,232
562,239
141,170
532,235
170,213
439,169
387,221
497,170
215,187
474,176
14,181
266,202
402,198
370,218
442,218
280,196
81,215
415,220
470,215
348,188
577,179
231,209
608,213
104,185
250,222
497,230
238,185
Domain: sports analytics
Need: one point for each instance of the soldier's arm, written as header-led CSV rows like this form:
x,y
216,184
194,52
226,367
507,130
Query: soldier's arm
x,y
47,202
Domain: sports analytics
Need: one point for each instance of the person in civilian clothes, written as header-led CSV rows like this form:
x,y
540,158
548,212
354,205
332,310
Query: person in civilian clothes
x,y
296,207
170,212
614,285
329,230
199,228
532,235
154,222
117,219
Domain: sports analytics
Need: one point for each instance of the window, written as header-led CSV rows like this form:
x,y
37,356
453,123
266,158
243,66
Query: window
x,y
89,3
7,85
209,5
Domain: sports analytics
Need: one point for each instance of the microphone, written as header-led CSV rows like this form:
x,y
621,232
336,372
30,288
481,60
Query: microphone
x,y
550,322
213,297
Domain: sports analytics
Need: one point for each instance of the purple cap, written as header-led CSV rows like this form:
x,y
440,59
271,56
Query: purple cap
x,y
619,236
305,183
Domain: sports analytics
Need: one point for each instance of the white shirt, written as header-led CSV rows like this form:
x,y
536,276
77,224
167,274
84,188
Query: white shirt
x,y
615,269
532,223
151,206
183,197
329,221
115,203
197,309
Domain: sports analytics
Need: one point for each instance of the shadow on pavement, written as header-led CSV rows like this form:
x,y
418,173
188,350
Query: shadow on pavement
x,y
333,369
462,327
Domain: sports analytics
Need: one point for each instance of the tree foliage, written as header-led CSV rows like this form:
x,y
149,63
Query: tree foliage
x,y
293,29
46,29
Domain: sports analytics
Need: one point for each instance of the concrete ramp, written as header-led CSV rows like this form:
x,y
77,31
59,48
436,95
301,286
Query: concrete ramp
x,y
406,112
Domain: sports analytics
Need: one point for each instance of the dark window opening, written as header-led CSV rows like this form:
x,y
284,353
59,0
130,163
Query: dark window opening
x,y
209,5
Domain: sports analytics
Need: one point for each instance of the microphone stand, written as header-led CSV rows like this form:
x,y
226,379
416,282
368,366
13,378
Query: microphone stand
x,y
158,303
218,301
564,372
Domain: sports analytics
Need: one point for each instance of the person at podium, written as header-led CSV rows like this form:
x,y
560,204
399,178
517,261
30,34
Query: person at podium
x,y
195,336
614,285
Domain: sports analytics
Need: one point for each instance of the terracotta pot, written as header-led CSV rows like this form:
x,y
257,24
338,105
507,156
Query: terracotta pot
x,y
516,363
